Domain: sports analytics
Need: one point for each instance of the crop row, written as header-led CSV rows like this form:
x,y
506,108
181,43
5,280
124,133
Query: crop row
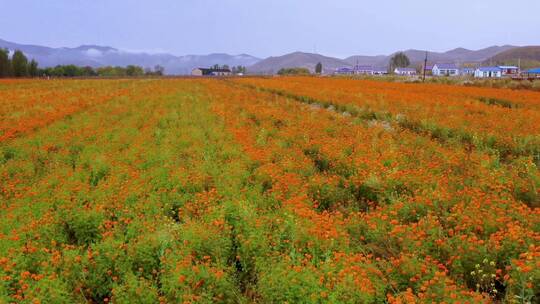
x,y
28,105
426,215
502,121
202,191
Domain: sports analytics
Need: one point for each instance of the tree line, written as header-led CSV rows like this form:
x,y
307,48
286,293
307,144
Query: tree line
x,y
18,65
106,71
235,69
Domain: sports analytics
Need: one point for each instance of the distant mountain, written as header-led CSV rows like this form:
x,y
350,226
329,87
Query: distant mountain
x,y
376,61
308,60
523,53
458,55
528,55
96,56
271,65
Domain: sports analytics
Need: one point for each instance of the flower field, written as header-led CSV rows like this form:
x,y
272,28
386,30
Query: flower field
x,y
268,190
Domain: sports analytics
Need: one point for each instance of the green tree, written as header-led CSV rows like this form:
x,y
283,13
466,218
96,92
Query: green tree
x,y
88,71
240,69
293,71
33,68
4,63
399,60
318,68
72,71
19,63
133,70
159,70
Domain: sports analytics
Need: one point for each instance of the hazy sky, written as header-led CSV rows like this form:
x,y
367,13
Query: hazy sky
x,y
263,28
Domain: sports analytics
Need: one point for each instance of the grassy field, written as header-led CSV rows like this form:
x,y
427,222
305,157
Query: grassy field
x,y
268,190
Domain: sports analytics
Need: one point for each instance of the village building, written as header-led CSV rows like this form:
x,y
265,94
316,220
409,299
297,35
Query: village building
x,y
533,73
405,71
467,71
428,69
344,71
488,72
363,69
210,72
445,69
380,71
508,70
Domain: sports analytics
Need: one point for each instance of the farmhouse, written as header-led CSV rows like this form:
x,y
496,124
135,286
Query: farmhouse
x,y
467,71
488,72
445,69
380,71
507,70
533,73
344,71
428,69
405,71
363,69
210,72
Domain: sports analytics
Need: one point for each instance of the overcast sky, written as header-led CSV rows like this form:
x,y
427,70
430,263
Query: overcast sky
x,y
274,27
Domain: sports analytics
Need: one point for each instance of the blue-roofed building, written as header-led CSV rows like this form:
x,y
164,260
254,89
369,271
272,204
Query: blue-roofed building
x,y
344,71
363,69
488,72
533,73
468,71
445,69
428,69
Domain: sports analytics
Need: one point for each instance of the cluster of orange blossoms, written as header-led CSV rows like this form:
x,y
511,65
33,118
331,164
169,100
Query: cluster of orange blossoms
x,y
265,190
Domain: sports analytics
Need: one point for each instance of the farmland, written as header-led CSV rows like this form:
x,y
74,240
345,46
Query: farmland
x,y
268,190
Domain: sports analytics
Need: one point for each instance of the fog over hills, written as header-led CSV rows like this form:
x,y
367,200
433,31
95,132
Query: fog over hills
x,y
96,56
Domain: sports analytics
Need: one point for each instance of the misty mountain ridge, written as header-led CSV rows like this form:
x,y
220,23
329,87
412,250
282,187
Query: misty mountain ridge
x,y
97,56
308,60
457,55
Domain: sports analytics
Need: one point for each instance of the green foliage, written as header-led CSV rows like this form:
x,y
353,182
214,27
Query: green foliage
x,y
498,102
318,68
33,68
135,290
239,70
81,227
293,71
5,63
19,64
106,71
399,60
132,70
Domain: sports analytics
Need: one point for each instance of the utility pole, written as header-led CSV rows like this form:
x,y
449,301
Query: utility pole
x,y
425,65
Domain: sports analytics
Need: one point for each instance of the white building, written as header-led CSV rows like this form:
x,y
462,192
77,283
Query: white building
x,y
445,69
468,71
363,69
405,71
210,72
380,71
488,72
